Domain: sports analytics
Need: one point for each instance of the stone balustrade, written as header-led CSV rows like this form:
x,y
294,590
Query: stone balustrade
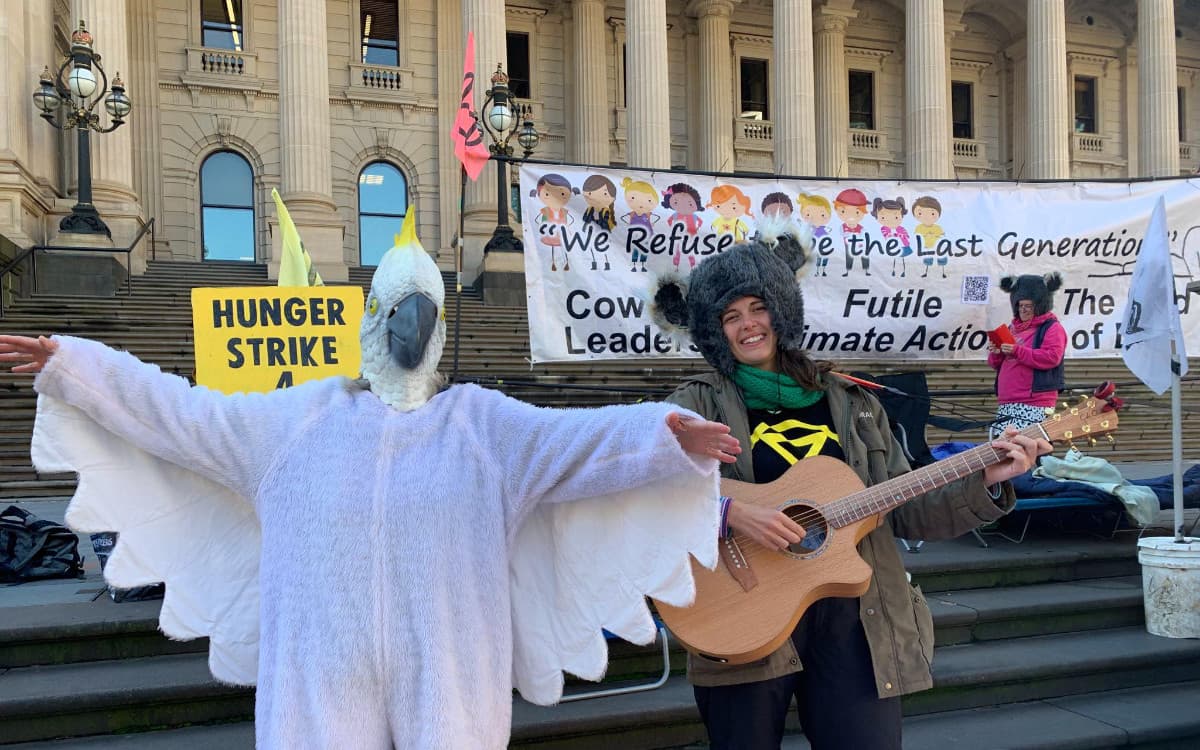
x,y
224,63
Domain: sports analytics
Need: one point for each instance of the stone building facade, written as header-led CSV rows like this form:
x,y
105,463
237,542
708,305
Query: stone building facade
x,y
346,105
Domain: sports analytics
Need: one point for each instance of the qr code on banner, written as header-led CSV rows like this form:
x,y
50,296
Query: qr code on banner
x,y
976,290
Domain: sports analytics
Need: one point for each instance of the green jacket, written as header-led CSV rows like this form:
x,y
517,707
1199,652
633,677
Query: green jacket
x,y
894,614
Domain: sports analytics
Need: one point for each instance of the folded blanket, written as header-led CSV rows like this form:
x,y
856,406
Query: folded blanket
x,y
1141,503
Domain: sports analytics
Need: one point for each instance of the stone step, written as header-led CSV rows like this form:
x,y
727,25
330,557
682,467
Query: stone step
x,y
67,633
38,703
961,564
1051,666
1159,716
37,488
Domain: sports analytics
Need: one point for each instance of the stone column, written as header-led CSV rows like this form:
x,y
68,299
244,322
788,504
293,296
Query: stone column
x,y
927,118
39,44
795,125
590,83
1132,112
304,106
486,19
1048,89
647,96
1158,110
16,85
832,95
714,98
450,41
143,79
306,174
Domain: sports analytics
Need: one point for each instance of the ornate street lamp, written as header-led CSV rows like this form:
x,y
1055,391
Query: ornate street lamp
x,y
504,118
68,100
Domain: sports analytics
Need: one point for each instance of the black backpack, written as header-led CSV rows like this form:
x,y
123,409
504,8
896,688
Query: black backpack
x,y
33,548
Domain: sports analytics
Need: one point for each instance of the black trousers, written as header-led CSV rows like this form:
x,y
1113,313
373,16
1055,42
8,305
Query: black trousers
x,y
835,693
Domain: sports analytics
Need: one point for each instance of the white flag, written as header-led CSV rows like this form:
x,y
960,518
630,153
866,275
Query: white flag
x,y
1151,318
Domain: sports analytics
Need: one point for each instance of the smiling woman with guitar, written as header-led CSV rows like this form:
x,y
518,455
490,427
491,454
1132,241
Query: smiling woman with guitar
x,y
857,636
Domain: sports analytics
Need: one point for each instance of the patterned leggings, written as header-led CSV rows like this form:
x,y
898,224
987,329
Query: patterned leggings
x,y
1017,415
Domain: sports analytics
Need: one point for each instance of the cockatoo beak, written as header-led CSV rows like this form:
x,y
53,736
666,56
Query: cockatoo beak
x,y
409,327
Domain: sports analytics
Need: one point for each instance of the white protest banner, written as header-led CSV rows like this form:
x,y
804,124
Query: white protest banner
x,y
901,270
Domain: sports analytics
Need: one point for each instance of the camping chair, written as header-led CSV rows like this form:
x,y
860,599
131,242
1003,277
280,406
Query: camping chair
x,y
908,412
639,688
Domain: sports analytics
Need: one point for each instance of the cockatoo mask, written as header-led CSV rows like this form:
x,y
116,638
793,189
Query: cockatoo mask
x,y
403,329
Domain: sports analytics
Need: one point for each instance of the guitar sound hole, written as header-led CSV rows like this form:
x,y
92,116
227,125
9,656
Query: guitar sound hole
x,y
816,531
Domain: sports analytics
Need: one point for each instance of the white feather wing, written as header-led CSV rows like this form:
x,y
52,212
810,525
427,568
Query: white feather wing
x,y
584,566
199,538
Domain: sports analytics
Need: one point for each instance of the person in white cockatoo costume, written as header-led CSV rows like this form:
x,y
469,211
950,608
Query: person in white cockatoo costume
x,y
386,558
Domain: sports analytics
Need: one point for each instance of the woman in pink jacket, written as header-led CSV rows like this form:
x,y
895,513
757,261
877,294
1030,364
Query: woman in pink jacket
x,y
1029,373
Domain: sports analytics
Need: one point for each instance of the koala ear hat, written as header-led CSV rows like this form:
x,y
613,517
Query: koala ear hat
x,y
1037,289
767,266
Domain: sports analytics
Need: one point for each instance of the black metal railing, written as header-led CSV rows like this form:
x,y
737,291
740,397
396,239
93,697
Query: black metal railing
x,y
31,254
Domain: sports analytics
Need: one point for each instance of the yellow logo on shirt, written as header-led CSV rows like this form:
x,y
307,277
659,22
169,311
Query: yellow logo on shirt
x,y
807,439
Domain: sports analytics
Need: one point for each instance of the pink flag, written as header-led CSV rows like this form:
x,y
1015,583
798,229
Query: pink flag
x,y
467,135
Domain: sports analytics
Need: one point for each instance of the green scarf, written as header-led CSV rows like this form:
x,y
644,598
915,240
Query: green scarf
x,y
772,390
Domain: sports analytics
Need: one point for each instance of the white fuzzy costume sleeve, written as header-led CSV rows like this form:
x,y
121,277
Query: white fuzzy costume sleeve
x,y
641,506
192,527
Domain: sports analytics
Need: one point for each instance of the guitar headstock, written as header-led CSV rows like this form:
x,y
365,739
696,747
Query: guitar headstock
x,y
1092,417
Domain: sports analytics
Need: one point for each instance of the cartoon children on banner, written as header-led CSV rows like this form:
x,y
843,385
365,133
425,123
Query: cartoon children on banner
x,y
731,204
889,214
555,192
641,197
816,211
928,210
601,196
851,207
562,228
685,201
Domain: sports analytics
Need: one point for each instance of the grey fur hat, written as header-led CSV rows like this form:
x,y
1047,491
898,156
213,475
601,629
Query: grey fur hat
x,y
1037,289
766,266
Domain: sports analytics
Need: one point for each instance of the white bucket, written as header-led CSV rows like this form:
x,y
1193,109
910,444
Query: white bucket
x,y
1171,586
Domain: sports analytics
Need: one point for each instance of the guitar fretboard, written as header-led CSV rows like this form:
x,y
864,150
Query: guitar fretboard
x,y
883,497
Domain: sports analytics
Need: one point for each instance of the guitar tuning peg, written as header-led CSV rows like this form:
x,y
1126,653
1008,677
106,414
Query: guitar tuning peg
x,y
1071,444
1092,442
1083,400
1064,406
1110,439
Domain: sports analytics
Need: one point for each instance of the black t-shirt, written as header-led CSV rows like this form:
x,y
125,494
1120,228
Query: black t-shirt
x,y
780,438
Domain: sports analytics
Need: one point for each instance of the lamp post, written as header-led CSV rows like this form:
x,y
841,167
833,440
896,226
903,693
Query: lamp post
x,y
68,100
504,118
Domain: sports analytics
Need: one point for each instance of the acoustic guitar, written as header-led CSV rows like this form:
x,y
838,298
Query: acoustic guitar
x,y
750,603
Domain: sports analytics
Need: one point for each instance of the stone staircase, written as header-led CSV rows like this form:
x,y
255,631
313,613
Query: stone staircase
x,y
1038,645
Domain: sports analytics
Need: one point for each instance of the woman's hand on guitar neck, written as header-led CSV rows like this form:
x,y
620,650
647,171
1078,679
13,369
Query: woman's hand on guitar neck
x,y
703,438
1020,453
767,527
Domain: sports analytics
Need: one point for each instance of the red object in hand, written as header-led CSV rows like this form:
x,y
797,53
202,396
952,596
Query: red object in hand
x,y
1001,335
1105,389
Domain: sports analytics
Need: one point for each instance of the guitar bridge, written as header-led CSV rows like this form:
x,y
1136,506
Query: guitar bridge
x,y
737,564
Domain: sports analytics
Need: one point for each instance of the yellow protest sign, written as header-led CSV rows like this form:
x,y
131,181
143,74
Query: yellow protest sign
x,y
257,339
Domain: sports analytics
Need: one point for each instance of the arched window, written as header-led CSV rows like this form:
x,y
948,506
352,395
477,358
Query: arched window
x,y
227,207
382,201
